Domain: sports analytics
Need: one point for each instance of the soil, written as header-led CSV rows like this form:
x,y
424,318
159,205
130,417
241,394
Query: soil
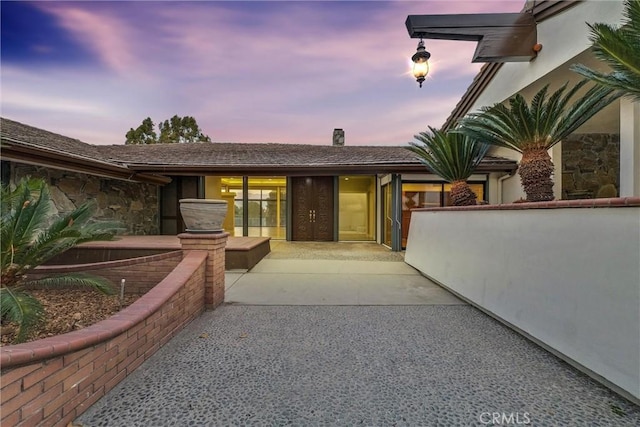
x,y
68,310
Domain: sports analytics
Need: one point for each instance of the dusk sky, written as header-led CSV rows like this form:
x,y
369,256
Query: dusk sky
x,y
259,71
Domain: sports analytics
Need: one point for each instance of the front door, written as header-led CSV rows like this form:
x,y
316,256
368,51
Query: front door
x,y
312,208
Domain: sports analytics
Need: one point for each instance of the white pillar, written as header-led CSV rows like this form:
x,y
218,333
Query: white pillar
x,y
629,148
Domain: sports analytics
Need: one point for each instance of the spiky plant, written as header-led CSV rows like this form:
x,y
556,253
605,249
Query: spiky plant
x,y
453,157
619,47
29,237
533,129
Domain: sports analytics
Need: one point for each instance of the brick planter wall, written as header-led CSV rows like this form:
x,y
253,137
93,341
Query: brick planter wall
x,y
214,244
140,274
54,380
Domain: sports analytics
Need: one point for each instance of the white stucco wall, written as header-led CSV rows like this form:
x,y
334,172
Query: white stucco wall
x,y
563,37
568,277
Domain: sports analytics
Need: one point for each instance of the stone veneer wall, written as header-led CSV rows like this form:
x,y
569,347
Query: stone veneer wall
x,y
591,165
135,205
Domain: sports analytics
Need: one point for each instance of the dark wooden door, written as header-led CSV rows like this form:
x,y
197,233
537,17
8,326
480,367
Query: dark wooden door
x,y
312,208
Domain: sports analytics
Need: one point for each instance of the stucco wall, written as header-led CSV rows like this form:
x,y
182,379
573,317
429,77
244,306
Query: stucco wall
x,y
133,204
568,276
563,37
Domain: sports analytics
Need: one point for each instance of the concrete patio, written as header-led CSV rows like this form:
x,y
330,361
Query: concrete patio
x,y
438,362
297,273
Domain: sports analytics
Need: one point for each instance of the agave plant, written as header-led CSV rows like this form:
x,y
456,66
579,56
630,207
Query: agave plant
x,y
29,237
620,49
453,157
533,129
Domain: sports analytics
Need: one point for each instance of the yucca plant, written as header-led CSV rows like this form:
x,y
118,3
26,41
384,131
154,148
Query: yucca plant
x,y
29,237
453,157
533,129
619,47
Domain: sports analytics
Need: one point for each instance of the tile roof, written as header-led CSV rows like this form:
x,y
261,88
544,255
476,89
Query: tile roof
x,y
16,132
241,154
163,158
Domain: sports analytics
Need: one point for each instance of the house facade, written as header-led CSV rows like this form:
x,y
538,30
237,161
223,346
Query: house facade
x,y
602,158
562,288
332,192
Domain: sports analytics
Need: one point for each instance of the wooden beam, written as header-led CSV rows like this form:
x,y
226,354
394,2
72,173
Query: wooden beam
x,y
501,37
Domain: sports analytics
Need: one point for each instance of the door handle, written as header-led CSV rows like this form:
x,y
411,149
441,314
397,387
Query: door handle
x,y
310,215
314,215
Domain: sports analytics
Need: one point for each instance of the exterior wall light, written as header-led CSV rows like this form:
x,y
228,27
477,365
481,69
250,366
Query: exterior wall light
x,y
420,63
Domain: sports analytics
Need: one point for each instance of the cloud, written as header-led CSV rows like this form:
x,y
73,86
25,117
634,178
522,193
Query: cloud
x,y
248,71
99,30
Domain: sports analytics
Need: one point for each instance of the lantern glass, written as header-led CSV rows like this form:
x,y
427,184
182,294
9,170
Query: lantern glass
x,y
420,69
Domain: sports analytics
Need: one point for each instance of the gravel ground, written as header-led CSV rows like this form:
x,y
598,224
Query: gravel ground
x,y
344,366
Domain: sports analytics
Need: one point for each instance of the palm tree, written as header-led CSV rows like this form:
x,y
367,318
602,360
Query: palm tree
x,y
453,157
29,237
620,49
533,130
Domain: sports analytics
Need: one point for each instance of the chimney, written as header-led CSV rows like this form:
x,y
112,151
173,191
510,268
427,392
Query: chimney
x,y
338,138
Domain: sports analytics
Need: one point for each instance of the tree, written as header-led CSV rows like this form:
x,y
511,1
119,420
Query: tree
x,y
533,130
181,129
620,49
175,130
453,157
29,237
143,134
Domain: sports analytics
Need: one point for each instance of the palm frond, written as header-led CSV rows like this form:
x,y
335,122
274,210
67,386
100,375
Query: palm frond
x,y
29,236
628,85
619,47
542,125
596,98
75,280
615,47
492,126
22,308
449,155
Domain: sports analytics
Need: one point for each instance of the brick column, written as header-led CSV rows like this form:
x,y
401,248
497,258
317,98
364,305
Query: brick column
x,y
214,244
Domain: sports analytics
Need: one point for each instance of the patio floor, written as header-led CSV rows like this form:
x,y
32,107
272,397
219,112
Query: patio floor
x,y
355,365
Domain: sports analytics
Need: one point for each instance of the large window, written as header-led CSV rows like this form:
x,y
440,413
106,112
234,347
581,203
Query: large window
x,y
356,201
265,202
428,195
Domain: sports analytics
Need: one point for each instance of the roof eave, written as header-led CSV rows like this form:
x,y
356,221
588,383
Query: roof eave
x,y
30,154
306,170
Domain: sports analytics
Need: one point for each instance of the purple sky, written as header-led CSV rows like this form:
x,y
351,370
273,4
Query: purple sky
x,y
256,71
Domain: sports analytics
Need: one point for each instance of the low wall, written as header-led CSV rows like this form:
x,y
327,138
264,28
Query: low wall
x,y
54,380
140,274
565,273
86,254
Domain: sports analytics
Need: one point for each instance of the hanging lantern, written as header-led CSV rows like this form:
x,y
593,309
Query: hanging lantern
x,y
420,63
